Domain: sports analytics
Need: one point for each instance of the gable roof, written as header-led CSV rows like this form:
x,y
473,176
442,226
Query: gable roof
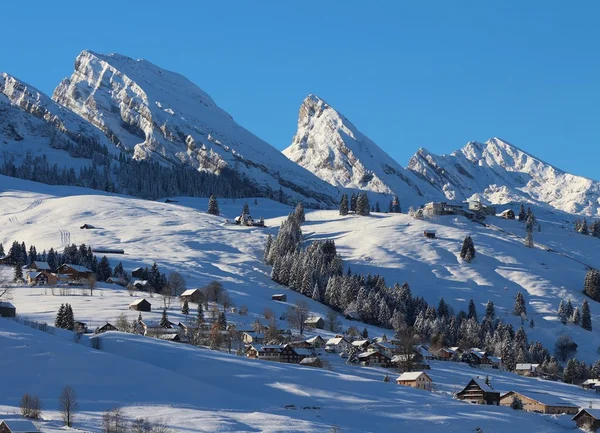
x,y
335,341
527,366
190,292
20,426
77,268
412,375
543,398
595,413
6,305
313,319
43,266
139,301
482,385
315,338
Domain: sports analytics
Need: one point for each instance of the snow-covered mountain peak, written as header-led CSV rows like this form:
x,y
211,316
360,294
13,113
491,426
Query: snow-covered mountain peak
x,y
329,145
161,115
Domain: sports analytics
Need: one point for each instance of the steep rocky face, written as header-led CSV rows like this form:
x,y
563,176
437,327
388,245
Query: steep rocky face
x,y
157,114
32,123
330,146
502,173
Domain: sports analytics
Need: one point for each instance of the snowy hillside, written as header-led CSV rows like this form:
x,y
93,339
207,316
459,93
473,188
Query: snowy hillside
x,y
502,173
331,147
160,115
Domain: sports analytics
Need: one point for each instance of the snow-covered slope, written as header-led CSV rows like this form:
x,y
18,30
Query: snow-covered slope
x,y
331,147
501,173
159,114
32,123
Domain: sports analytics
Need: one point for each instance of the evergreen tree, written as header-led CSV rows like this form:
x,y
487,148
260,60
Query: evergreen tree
x,y
516,403
570,371
396,205
531,324
200,315
60,317
299,212
246,209
164,320
222,321
391,206
520,309
119,272
530,222
18,271
490,313
362,204
591,285
316,294
69,318
353,202
213,206
472,310
365,333
443,308
529,239
569,309
584,228
586,318
2,253
186,307
344,205
467,251
268,245
522,214
595,231
562,312
377,208
576,316
104,271
52,260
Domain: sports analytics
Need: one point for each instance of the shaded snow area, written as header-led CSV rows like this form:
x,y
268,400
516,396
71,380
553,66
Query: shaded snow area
x,y
199,390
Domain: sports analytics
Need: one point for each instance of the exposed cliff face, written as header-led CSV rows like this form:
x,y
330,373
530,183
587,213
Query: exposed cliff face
x,y
331,147
159,114
502,173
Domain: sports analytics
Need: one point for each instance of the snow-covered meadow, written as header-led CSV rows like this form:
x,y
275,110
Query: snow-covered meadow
x,y
199,390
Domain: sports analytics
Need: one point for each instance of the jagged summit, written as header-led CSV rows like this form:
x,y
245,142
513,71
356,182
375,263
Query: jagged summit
x,y
157,114
330,146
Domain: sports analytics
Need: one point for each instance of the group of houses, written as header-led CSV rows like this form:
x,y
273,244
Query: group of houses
x,y
472,209
39,274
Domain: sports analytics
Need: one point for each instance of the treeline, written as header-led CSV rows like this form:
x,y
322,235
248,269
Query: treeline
x,y
581,226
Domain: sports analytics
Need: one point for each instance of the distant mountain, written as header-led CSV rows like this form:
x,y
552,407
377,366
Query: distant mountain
x,y
158,115
331,147
498,172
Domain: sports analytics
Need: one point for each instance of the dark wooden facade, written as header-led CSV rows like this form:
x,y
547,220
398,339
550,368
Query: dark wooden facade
x,y
588,419
7,309
141,305
480,393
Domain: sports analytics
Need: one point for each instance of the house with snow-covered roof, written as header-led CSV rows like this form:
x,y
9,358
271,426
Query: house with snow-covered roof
x,y
540,402
478,391
527,369
338,345
18,426
74,272
39,266
7,309
588,419
192,295
374,358
415,379
315,322
141,305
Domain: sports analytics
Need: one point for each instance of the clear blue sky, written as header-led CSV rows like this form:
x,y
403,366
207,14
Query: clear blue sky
x,y
421,74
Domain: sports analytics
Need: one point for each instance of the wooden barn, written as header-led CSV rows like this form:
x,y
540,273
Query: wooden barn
x,y
141,305
105,328
588,419
479,392
279,297
18,426
7,309
315,322
374,358
138,273
192,295
540,402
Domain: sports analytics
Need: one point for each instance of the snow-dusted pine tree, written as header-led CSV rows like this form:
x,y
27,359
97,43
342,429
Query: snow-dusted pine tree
x,y
344,205
213,206
586,317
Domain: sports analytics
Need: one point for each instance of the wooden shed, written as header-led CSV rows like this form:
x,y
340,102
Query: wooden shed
x,y
479,392
315,322
106,328
588,419
7,309
141,305
279,297
508,214
429,234
193,295
18,426
138,273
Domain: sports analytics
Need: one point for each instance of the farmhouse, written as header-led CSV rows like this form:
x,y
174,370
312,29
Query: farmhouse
x,y
138,273
270,352
251,337
338,344
316,342
293,355
81,327
479,392
74,272
7,309
373,357
192,295
386,348
588,419
279,297
105,328
315,322
361,344
17,426
540,402
527,369
39,266
141,305
415,379
508,214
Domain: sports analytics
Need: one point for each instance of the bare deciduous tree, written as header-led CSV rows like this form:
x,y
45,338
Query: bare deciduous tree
x,y
213,291
31,407
268,314
122,323
297,315
176,283
6,290
92,283
332,321
67,404
226,301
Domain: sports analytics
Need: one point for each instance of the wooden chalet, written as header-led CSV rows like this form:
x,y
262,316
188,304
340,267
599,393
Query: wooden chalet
x,y
479,392
527,369
317,342
591,384
269,352
138,273
141,305
279,297
192,295
7,261
374,358
338,344
293,355
315,322
361,344
42,278
18,426
105,328
540,402
7,309
74,272
301,344
508,214
312,361
588,419
447,353
415,379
